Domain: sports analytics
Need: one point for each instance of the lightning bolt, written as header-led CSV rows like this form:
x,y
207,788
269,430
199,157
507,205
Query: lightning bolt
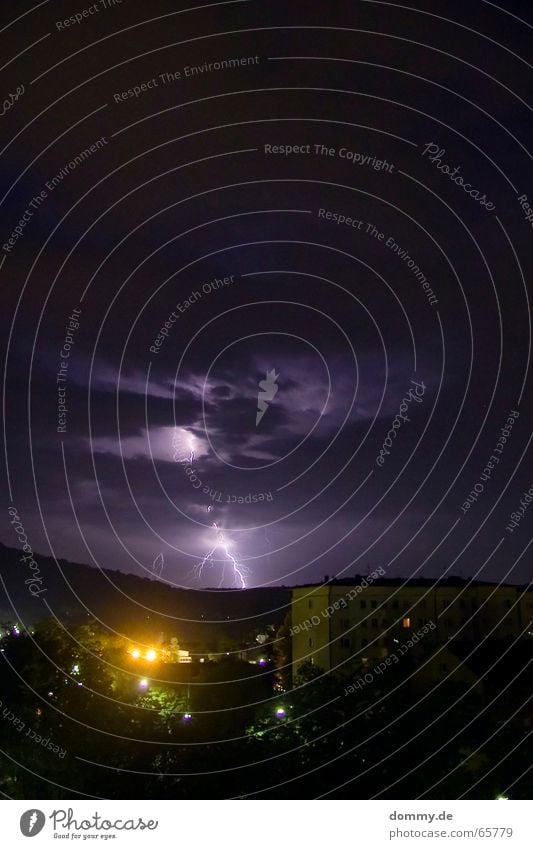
x,y
265,396
33,820
208,560
182,443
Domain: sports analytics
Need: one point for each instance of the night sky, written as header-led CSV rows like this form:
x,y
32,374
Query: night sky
x,y
332,193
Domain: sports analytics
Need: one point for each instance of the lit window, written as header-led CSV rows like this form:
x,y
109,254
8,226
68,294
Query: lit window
x,y
406,622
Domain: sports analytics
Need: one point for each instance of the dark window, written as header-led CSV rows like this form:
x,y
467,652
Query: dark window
x,y
364,623
423,603
374,623
364,642
444,667
345,623
462,604
310,642
345,643
384,623
373,604
363,603
310,603
395,605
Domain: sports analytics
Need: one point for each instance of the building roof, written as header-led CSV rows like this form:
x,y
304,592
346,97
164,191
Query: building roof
x,y
454,581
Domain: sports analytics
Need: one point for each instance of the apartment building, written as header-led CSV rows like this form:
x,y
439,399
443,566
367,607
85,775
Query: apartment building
x,y
339,624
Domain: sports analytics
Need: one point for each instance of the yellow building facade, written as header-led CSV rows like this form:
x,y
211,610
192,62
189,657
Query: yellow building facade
x,y
337,625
